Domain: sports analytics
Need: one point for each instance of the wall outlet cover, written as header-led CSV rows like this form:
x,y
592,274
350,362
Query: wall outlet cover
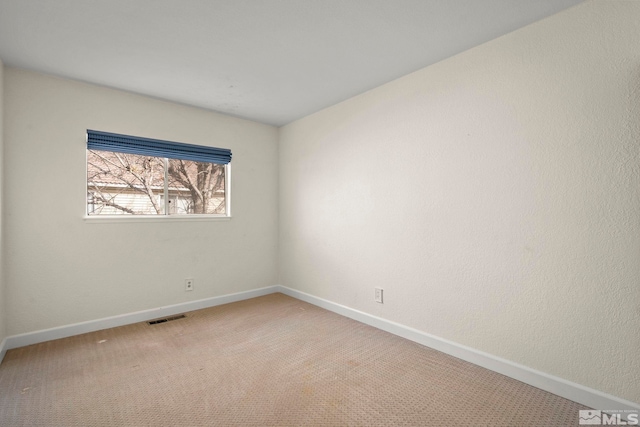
x,y
378,295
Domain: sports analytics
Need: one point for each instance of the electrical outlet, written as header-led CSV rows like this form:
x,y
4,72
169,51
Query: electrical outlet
x,y
188,285
379,295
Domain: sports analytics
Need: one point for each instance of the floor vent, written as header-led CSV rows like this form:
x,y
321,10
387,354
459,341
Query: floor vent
x,y
166,319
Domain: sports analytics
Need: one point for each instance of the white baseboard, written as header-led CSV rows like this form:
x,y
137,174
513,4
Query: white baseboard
x,y
22,340
3,349
578,393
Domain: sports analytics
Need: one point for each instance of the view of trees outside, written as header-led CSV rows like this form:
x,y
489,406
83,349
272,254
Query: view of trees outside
x,y
120,183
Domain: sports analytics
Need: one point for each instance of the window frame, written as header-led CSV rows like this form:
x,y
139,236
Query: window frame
x,y
158,217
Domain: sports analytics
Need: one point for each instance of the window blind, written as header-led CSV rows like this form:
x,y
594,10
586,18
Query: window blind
x,y
97,140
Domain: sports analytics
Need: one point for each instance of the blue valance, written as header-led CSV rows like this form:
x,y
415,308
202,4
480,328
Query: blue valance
x,y
105,141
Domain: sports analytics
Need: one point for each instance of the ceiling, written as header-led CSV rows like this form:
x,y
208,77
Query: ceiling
x,y
272,61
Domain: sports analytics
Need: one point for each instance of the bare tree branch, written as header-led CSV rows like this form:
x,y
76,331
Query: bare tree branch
x,y
109,202
144,175
143,181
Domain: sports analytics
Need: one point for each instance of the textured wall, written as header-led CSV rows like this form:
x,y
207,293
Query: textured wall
x,y
62,269
2,286
495,196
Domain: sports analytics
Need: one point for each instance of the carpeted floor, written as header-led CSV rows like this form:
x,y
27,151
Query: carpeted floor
x,y
269,361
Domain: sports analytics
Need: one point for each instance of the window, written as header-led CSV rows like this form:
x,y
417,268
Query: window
x,y
129,175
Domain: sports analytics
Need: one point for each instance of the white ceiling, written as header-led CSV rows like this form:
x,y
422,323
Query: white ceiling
x,y
272,61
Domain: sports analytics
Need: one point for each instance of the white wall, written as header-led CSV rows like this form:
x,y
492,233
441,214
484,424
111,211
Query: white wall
x,y
61,269
2,291
495,196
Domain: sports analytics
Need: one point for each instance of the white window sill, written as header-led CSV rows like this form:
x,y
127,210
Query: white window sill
x,y
101,219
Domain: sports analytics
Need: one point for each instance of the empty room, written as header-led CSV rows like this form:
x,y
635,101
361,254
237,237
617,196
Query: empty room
x,y
319,212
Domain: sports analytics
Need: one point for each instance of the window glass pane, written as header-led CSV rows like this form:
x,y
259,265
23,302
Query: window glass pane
x,y
196,187
124,184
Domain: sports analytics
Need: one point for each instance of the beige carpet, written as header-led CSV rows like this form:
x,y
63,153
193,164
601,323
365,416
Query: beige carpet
x,y
269,361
